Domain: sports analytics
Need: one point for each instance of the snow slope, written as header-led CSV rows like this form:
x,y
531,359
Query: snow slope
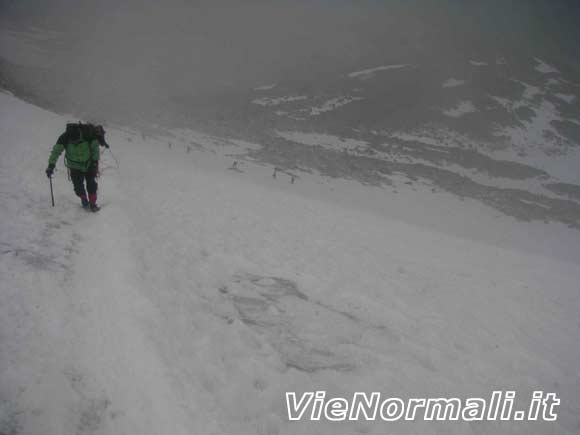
x,y
198,296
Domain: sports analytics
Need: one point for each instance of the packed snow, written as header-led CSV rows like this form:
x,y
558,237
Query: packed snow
x,y
534,132
197,297
568,98
544,67
266,101
265,87
530,92
367,73
417,137
332,104
462,108
453,83
327,141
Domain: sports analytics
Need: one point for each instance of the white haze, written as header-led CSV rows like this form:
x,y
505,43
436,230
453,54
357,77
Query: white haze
x,y
131,55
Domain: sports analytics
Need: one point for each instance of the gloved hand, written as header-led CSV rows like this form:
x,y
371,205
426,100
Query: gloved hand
x,y
49,171
101,136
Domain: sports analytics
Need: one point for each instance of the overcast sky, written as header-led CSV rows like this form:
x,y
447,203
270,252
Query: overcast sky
x,y
187,47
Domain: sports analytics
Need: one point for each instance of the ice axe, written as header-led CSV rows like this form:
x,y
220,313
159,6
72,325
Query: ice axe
x,y
51,192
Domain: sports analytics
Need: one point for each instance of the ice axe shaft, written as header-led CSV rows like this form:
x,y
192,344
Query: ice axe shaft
x,y
51,192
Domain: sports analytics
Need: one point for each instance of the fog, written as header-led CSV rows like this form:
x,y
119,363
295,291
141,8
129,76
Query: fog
x,y
128,55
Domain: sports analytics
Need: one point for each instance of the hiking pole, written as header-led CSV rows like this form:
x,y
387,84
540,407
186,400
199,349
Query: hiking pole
x,y
51,192
114,158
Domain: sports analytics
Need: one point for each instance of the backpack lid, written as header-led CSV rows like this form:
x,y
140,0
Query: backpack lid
x,y
74,132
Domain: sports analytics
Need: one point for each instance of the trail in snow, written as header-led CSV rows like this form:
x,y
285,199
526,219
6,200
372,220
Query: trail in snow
x,y
195,299
72,336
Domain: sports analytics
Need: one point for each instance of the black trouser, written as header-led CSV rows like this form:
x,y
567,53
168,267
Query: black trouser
x,y
79,177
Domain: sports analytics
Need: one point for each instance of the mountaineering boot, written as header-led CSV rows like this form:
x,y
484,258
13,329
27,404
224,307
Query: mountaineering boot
x,y
93,202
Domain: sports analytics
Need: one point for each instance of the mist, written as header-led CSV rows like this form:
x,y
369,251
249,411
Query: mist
x,y
123,57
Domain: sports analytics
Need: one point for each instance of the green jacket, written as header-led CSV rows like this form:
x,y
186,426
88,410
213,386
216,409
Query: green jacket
x,y
81,155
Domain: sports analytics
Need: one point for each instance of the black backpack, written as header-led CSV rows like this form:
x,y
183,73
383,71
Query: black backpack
x,y
79,132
